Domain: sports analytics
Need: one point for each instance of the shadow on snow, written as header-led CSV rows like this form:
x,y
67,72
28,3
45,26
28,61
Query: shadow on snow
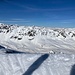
x,y
36,64
72,70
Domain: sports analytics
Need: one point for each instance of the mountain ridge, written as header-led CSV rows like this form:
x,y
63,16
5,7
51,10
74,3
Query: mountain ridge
x,y
37,39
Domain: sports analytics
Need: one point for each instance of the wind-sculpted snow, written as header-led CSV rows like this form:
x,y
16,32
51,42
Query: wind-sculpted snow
x,y
54,64
8,51
1,47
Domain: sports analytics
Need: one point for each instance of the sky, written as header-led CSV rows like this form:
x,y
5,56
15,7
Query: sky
x,y
49,13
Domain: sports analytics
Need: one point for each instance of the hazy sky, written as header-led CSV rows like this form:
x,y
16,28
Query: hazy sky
x,y
51,13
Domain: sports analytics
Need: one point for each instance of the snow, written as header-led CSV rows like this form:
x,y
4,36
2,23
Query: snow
x,y
23,46
18,64
32,39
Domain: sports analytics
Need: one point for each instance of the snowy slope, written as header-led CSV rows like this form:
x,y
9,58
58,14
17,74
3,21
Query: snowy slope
x,y
31,64
37,39
23,50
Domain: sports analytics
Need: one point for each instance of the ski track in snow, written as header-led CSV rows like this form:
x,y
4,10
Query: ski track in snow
x,y
23,64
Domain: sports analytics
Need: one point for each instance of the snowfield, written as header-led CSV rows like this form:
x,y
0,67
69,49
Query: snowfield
x,y
19,64
34,39
31,50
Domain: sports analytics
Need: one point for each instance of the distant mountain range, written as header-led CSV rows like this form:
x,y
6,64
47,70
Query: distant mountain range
x,y
35,39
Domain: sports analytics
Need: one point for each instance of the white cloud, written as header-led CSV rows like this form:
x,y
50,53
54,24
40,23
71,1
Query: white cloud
x,y
14,3
68,21
17,19
37,9
13,21
54,9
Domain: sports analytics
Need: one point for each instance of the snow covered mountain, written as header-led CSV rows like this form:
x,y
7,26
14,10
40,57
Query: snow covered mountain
x,y
37,39
31,50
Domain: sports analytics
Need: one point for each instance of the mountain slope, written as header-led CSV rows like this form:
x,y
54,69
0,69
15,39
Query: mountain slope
x,y
37,39
31,50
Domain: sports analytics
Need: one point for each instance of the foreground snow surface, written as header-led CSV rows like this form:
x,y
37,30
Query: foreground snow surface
x,y
27,64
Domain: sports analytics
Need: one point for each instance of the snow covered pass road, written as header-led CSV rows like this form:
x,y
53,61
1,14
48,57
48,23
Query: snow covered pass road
x,y
37,64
